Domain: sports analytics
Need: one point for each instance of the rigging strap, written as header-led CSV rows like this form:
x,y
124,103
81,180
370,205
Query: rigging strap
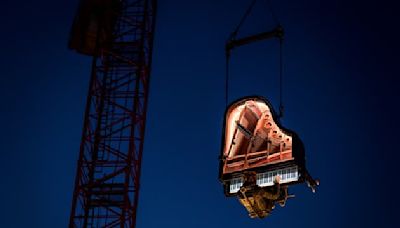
x,y
233,42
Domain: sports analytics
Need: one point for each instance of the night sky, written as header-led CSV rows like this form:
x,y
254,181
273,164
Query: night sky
x,y
340,94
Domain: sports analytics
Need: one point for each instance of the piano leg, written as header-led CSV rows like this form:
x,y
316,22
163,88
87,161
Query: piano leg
x,y
311,182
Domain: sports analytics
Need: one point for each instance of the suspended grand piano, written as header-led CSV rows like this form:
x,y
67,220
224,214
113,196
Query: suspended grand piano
x,y
259,157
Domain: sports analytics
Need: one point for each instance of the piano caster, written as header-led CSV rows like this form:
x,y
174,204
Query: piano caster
x,y
311,183
282,204
253,215
314,185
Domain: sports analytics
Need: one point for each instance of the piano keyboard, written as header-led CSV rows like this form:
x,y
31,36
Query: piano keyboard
x,y
287,175
267,179
235,185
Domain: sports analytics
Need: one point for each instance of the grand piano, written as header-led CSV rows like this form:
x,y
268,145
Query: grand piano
x,y
259,156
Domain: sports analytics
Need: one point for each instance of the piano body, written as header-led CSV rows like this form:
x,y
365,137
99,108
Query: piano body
x,y
259,156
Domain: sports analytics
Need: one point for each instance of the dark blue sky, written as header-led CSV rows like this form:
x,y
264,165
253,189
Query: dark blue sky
x,y
340,93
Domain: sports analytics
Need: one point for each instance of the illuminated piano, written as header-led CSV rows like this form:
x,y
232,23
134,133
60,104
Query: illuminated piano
x,y
256,147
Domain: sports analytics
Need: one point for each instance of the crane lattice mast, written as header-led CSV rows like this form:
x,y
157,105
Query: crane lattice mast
x,y
119,36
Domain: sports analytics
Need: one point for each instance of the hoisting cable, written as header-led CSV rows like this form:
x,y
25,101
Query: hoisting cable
x,y
275,18
228,52
242,20
271,10
281,107
226,79
232,42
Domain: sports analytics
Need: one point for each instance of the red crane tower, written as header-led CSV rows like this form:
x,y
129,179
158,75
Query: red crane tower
x,y
118,34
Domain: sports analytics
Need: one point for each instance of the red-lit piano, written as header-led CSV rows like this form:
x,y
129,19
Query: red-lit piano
x,y
260,158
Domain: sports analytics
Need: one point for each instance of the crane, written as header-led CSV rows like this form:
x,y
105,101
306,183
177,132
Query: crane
x,y
118,36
